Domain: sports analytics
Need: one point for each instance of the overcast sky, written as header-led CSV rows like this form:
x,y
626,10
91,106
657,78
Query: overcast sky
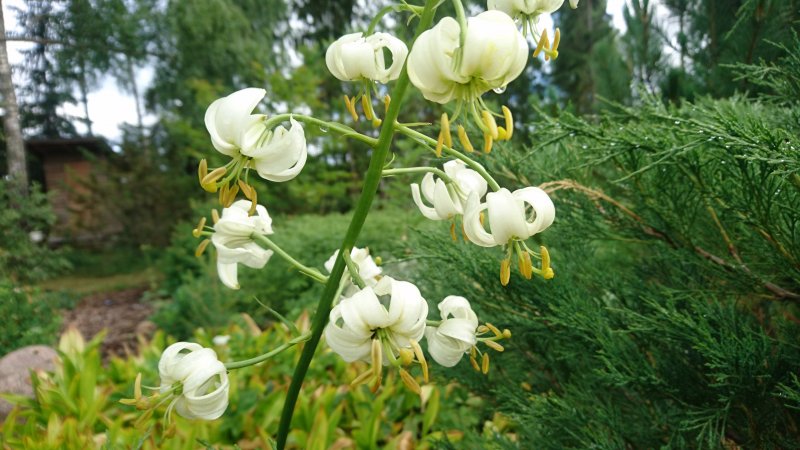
x,y
109,106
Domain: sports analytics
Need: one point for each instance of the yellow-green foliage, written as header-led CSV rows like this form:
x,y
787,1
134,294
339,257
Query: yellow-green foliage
x,y
77,406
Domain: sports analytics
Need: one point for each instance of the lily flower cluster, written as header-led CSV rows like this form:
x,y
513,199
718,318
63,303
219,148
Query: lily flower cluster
x,y
384,324
372,317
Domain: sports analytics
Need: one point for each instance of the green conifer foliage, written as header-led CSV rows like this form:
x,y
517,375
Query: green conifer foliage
x,y
673,319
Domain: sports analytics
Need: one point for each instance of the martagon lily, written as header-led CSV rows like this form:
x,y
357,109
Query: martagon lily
x,y
354,57
276,154
510,225
232,239
493,54
383,325
195,379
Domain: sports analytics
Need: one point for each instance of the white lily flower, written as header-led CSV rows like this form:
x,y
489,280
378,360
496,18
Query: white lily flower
x,y
525,8
367,269
448,200
455,336
233,242
395,322
355,57
277,155
507,216
494,54
196,378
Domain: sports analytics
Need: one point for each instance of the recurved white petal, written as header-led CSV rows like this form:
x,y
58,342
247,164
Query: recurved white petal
x,y
226,117
283,155
542,205
472,223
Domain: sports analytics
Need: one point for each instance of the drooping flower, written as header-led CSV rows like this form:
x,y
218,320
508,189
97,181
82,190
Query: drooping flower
x,y
507,216
277,155
397,322
455,335
448,199
510,225
196,379
354,57
233,241
368,270
494,53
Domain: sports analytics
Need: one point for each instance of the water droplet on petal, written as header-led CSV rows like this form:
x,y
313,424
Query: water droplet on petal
x,y
500,89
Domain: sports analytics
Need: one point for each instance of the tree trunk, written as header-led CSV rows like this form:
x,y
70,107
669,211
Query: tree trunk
x,y
15,146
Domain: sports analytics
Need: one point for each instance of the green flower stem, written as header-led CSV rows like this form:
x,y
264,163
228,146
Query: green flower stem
x,y
354,272
342,129
376,20
249,362
452,152
368,191
266,242
440,173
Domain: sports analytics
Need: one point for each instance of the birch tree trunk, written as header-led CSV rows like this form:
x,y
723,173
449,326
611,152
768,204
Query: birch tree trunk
x,y
15,146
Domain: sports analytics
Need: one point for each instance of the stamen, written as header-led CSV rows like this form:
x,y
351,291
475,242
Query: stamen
x,y
362,378
543,42
509,129
439,144
351,107
507,333
212,177
199,229
453,231
202,170
367,108
547,271
448,138
525,265
410,382
214,216
247,190
223,194
474,363
482,329
494,346
232,193
421,358
485,363
253,203
376,122
501,134
386,101
377,364
505,271
406,356
202,247
556,41
487,142
462,136
488,120
494,329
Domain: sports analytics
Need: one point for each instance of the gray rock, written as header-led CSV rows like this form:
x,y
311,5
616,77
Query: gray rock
x,y
15,370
